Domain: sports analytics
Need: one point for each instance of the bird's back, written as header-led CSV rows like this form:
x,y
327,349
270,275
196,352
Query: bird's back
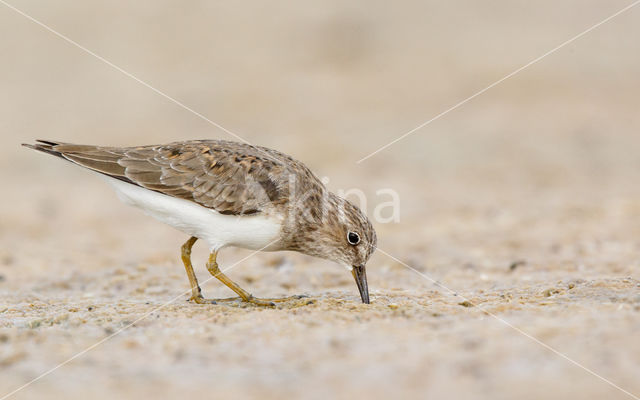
x,y
229,177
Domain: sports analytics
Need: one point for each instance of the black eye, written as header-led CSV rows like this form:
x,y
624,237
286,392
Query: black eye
x,y
353,238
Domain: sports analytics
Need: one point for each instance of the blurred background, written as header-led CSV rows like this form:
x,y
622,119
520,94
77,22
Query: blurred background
x,y
525,200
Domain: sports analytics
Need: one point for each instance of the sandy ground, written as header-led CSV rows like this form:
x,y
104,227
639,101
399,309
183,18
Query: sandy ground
x,y
520,211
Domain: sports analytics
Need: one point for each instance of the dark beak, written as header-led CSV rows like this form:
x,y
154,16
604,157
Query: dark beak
x,y
360,275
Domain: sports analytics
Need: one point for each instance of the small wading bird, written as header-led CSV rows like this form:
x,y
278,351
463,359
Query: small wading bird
x,y
232,194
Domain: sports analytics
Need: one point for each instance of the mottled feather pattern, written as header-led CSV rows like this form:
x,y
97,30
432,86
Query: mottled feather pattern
x,y
229,177
238,179
232,194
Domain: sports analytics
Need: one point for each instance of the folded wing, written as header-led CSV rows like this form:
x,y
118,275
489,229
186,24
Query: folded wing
x,y
228,177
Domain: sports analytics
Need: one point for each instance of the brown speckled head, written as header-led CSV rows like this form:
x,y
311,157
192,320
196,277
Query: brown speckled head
x,y
336,230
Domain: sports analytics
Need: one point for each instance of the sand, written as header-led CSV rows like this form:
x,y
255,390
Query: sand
x,y
513,271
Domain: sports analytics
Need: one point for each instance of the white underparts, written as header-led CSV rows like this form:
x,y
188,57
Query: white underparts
x,y
252,232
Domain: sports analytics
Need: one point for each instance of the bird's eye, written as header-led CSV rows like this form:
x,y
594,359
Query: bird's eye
x,y
353,238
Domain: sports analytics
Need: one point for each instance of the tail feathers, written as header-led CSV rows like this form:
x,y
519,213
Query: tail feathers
x,y
45,147
48,142
91,157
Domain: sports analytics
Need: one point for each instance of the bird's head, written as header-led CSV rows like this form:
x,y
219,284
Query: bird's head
x,y
343,234
357,244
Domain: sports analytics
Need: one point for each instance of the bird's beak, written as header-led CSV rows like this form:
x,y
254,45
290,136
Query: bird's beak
x,y
360,275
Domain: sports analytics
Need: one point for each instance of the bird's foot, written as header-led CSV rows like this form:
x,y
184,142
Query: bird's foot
x,y
285,299
260,302
201,300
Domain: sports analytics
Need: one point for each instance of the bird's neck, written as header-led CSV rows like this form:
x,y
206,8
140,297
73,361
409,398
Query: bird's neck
x,y
311,223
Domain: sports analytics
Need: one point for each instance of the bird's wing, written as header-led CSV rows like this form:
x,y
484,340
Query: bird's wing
x,y
228,177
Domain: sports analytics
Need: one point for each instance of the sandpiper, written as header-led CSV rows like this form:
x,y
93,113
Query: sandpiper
x,y
232,194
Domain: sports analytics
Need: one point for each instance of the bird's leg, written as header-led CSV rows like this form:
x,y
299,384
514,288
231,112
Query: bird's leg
x,y
196,292
212,266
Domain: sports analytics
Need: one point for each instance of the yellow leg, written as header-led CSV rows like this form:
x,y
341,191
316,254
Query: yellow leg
x,y
212,266
196,292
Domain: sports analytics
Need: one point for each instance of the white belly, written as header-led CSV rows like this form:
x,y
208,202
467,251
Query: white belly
x,y
253,232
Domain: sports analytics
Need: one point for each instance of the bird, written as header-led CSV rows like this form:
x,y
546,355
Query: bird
x,y
232,194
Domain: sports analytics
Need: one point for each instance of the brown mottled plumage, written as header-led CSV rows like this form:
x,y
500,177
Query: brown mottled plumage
x,y
244,181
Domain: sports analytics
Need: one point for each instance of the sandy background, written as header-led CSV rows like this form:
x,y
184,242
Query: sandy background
x,y
542,169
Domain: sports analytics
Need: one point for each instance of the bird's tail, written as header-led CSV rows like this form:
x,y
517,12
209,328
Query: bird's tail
x,y
45,146
103,160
